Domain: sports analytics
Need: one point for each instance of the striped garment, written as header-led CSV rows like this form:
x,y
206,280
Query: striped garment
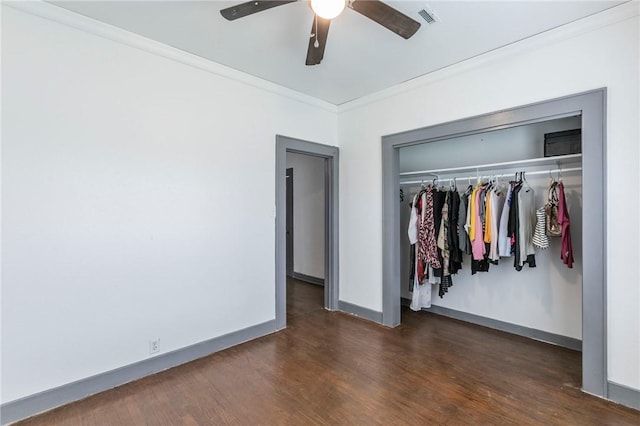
x,y
540,238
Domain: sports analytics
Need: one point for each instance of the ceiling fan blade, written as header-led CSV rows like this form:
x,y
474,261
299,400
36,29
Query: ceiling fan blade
x,y
386,16
319,32
244,9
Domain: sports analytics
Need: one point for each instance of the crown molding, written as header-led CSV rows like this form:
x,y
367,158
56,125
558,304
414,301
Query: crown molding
x,y
611,16
63,16
83,23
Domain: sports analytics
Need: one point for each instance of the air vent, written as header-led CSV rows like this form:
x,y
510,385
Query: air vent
x,y
428,15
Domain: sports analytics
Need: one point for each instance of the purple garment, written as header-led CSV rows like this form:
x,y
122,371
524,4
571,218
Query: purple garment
x,y
566,251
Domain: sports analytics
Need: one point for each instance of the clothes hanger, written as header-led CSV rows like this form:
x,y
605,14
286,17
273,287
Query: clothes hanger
x,y
496,183
469,186
525,183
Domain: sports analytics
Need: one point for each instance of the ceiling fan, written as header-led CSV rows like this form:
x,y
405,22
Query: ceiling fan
x,y
324,11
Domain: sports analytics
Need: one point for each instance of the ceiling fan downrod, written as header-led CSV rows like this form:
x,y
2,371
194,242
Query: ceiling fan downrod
x,y
316,44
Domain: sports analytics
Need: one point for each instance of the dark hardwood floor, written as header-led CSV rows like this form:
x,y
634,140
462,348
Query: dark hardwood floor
x,y
303,298
332,368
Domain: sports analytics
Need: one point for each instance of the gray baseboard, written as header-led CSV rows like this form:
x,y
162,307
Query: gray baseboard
x,y
308,278
532,333
52,398
359,311
623,395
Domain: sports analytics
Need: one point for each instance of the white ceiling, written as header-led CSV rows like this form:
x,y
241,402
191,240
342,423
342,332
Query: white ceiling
x,y
361,57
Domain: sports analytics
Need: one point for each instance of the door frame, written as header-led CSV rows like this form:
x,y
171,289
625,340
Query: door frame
x,y
592,107
289,220
330,154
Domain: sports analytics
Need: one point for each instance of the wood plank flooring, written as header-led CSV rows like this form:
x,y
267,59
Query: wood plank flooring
x,y
303,298
332,368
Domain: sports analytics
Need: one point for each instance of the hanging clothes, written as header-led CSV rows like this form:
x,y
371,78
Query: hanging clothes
x,y
433,232
441,242
479,260
497,195
540,238
448,242
422,256
439,200
427,232
421,293
477,234
443,245
463,236
504,240
488,221
527,220
455,261
514,225
566,250
412,232
471,216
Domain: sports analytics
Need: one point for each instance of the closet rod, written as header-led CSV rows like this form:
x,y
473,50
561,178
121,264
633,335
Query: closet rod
x,y
548,161
538,172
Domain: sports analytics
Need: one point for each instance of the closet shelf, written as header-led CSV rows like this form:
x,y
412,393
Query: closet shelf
x,y
544,161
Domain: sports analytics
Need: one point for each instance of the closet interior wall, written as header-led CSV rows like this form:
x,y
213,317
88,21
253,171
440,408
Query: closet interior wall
x,y
547,297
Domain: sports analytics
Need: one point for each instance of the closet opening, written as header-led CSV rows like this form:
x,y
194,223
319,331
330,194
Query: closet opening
x,y
479,157
306,228
543,301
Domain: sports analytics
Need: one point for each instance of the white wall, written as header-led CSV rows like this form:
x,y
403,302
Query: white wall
x,y
122,218
601,51
308,214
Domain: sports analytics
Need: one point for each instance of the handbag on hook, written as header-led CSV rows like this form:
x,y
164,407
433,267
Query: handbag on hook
x,y
551,212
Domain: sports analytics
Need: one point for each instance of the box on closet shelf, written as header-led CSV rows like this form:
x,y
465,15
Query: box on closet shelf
x,y
563,143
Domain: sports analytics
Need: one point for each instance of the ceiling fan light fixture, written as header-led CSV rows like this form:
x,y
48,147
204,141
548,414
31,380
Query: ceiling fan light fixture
x,y
328,9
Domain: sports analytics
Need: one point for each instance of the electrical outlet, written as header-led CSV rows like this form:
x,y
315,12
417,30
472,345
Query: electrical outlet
x,y
154,346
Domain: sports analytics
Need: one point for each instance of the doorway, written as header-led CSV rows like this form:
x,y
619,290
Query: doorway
x,y
591,106
305,234
329,175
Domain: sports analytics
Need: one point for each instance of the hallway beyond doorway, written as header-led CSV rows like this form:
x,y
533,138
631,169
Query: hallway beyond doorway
x,y
303,298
